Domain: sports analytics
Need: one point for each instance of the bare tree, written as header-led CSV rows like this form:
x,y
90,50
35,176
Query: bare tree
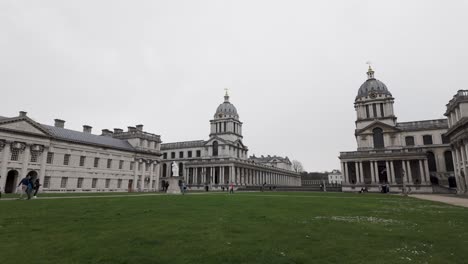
x,y
297,166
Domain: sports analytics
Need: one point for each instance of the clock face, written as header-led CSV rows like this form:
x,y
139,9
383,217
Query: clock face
x,y
372,95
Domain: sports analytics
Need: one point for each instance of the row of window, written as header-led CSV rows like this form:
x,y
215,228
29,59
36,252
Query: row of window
x,y
427,140
181,154
79,182
66,161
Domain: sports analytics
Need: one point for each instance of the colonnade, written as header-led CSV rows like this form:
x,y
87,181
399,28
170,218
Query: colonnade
x,y
460,160
354,171
150,171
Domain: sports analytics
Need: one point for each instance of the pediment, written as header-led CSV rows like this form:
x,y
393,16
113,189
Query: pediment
x,y
23,125
220,140
377,124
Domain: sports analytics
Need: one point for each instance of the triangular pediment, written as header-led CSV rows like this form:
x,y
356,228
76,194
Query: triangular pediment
x,y
215,138
377,124
23,125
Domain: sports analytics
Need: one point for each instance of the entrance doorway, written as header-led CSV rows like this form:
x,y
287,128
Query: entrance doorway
x,y
11,180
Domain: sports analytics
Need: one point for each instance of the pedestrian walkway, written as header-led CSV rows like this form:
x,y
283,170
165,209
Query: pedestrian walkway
x,y
453,200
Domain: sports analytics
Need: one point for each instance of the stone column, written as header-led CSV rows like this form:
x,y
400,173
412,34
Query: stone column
x,y
358,178
43,166
376,172
347,173
24,167
143,178
4,168
392,168
389,173
421,172
361,172
373,178
150,185
426,171
135,175
157,176
410,173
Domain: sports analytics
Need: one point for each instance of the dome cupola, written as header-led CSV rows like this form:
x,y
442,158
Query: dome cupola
x,y
226,109
372,87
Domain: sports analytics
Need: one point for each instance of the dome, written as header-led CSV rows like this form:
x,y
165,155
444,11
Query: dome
x,y
372,85
226,109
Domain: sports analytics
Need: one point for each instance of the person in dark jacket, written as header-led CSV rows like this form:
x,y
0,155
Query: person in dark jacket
x,y
36,186
25,184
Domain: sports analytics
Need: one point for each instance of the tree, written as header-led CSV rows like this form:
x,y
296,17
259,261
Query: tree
x,y
297,166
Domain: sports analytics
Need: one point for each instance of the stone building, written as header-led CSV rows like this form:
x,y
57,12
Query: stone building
x,y
457,135
335,177
222,159
274,161
68,160
403,154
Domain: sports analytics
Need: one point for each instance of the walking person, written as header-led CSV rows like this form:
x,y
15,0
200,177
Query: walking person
x,y
231,188
184,188
36,186
24,186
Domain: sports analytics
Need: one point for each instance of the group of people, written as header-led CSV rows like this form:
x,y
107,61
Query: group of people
x,y
29,187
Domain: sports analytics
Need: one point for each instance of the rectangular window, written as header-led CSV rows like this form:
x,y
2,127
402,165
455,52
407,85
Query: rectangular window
x,y
139,166
34,156
121,164
132,163
119,183
82,160
96,162
165,155
66,159
172,155
409,141
15,154
382,110
47,182
374,108
109,163
181,155
198,153
427,140
50,158
63,183
79,183
367,111
445,140
225,126
107,183
189,154
94,183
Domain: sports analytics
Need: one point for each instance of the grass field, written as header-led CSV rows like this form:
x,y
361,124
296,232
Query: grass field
x,y
241,228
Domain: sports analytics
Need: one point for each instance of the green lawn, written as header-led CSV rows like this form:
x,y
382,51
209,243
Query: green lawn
x,y
241,228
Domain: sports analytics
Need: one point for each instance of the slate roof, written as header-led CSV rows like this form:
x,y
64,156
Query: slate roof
x,y
183,144
87,138
423,125
372,85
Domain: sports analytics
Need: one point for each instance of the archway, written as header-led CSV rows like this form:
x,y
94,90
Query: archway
x,y
11,180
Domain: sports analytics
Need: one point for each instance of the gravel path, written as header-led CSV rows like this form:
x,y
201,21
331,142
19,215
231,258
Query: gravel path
x,y
459,201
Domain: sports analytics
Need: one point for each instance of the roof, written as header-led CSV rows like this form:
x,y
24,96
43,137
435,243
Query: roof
x,y
372,85
88,138
183,144
423,125
267,159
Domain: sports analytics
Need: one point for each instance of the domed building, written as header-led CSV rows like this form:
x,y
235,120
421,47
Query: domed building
x,y
412,154
223,158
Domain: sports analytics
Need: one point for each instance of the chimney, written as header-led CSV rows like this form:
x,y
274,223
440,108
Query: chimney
x,y
139,127
131,129
59,123
118,130
87,129
22,113
106,132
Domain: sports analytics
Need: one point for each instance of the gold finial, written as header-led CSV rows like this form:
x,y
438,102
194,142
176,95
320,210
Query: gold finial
x,y
226,89
370,72
370,65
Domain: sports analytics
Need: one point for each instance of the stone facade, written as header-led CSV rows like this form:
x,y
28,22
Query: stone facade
x,y
66,160
223,159
408,154
457,135
335,177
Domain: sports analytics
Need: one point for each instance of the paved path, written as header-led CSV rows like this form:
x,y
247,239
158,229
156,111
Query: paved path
x,y
459,201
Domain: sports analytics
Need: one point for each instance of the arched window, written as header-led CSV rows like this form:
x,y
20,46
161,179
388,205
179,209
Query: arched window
x,y
164,168
431,161
448,160
409,141
215,148
378,138
181,169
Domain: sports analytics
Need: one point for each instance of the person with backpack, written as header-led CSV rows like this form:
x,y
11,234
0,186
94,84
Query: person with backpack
x,y
25,183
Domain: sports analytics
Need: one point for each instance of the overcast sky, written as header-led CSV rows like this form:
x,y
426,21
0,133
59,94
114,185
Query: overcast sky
x,y
293,67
